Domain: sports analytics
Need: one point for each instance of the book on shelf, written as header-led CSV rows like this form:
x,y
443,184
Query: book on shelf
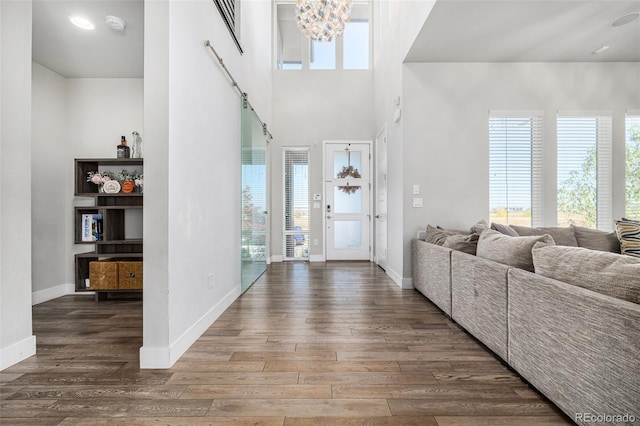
x,y
92,229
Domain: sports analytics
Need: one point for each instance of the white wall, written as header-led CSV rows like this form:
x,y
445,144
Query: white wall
x,y
51,187
192,166
16,339
399,22
446,140
310,106
72,118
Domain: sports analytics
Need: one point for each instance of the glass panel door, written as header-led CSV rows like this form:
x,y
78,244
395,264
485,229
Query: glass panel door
x,y
254,221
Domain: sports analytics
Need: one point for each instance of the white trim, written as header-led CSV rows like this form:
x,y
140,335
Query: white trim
x,y
407,283
394,276
165,357
317,258
17,352
51,293
277,258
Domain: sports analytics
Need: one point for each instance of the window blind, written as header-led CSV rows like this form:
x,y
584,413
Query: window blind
x,y
515,167
229,10
584,168
632,169
296,203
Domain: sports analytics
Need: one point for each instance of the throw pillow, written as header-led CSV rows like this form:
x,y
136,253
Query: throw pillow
x,y
438,236
607,273
628,232
563,236
479,227
503,229
512,251
465,243
595,239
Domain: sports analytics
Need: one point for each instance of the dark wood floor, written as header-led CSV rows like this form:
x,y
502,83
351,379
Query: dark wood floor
x,y
331,344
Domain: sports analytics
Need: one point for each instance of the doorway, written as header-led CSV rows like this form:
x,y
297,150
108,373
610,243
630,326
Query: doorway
x,y
347,188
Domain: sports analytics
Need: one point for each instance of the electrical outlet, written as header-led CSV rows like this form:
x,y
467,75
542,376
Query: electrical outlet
x,y
416,189
210,281
417,202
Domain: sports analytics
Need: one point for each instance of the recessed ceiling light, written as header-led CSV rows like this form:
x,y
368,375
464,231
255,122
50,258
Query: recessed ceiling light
x,y
115,23
81,22
625,19
600,50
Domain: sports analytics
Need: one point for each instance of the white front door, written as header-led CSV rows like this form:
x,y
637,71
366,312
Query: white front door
x,y
380,207
347,195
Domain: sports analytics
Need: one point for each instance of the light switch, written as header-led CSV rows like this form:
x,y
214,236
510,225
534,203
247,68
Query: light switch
x,y
416,189
417,202
317,197
316,204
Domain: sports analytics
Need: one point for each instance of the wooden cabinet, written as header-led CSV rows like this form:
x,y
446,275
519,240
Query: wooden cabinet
x,y
117,227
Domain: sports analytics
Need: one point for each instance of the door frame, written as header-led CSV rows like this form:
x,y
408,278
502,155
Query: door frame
x,y
324,191
381,133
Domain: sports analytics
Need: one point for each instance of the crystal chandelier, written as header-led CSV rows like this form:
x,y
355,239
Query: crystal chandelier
x,y
322,20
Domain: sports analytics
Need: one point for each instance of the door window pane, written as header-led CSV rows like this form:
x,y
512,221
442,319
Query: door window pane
x,y
347,199
347,164
347,234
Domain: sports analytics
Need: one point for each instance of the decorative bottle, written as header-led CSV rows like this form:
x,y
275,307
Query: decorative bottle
x,y
136,150
123,151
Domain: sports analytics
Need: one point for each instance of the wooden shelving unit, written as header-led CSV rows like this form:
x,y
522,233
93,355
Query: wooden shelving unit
x,y
113,208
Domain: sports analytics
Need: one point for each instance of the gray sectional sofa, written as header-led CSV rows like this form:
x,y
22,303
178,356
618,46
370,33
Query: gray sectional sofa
x,y
574,334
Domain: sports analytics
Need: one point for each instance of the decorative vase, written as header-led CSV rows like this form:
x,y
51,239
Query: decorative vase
x,y
127,186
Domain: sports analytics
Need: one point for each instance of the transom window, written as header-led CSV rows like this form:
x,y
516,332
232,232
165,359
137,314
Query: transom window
x,y
350,51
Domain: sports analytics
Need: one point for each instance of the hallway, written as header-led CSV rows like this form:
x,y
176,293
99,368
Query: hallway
x,y
335,343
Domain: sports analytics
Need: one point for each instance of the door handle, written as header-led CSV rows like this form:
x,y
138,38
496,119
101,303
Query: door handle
x,y
377,216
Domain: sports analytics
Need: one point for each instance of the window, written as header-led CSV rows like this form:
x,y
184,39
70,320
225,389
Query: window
x,y
288,38
632,151
230,12
295,52
356,39
584,170
296,203
515,167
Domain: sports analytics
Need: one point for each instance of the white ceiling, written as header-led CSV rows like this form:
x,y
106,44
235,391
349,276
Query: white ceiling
x,y
455,31
103,52
527,31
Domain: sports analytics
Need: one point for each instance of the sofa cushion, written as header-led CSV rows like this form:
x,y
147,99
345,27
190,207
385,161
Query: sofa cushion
x,y
479,227
504,229
606,273
563,236
465,243
628,232
595,239
438,235
512,251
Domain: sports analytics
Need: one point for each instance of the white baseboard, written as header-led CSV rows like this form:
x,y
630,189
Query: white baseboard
x,y
317,258
47,294
165,357
277,258
394,276
407,283
17,352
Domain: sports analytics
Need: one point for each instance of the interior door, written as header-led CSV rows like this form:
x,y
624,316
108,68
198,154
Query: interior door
x,y
380,252
347,195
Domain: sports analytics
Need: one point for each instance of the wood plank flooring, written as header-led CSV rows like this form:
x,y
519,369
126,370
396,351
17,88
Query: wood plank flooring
x,y
308,344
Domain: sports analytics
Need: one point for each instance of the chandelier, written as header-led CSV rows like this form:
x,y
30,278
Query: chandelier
x,y
322,20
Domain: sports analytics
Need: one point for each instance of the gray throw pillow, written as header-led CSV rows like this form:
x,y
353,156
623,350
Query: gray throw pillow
x,y
479,227
437,235
607,273
512,251
504,229
595,239
563,236
465,243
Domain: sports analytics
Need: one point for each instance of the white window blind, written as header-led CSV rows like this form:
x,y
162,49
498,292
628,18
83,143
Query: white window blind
x,y
295,210
515,167
632,159
230,12
584,169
